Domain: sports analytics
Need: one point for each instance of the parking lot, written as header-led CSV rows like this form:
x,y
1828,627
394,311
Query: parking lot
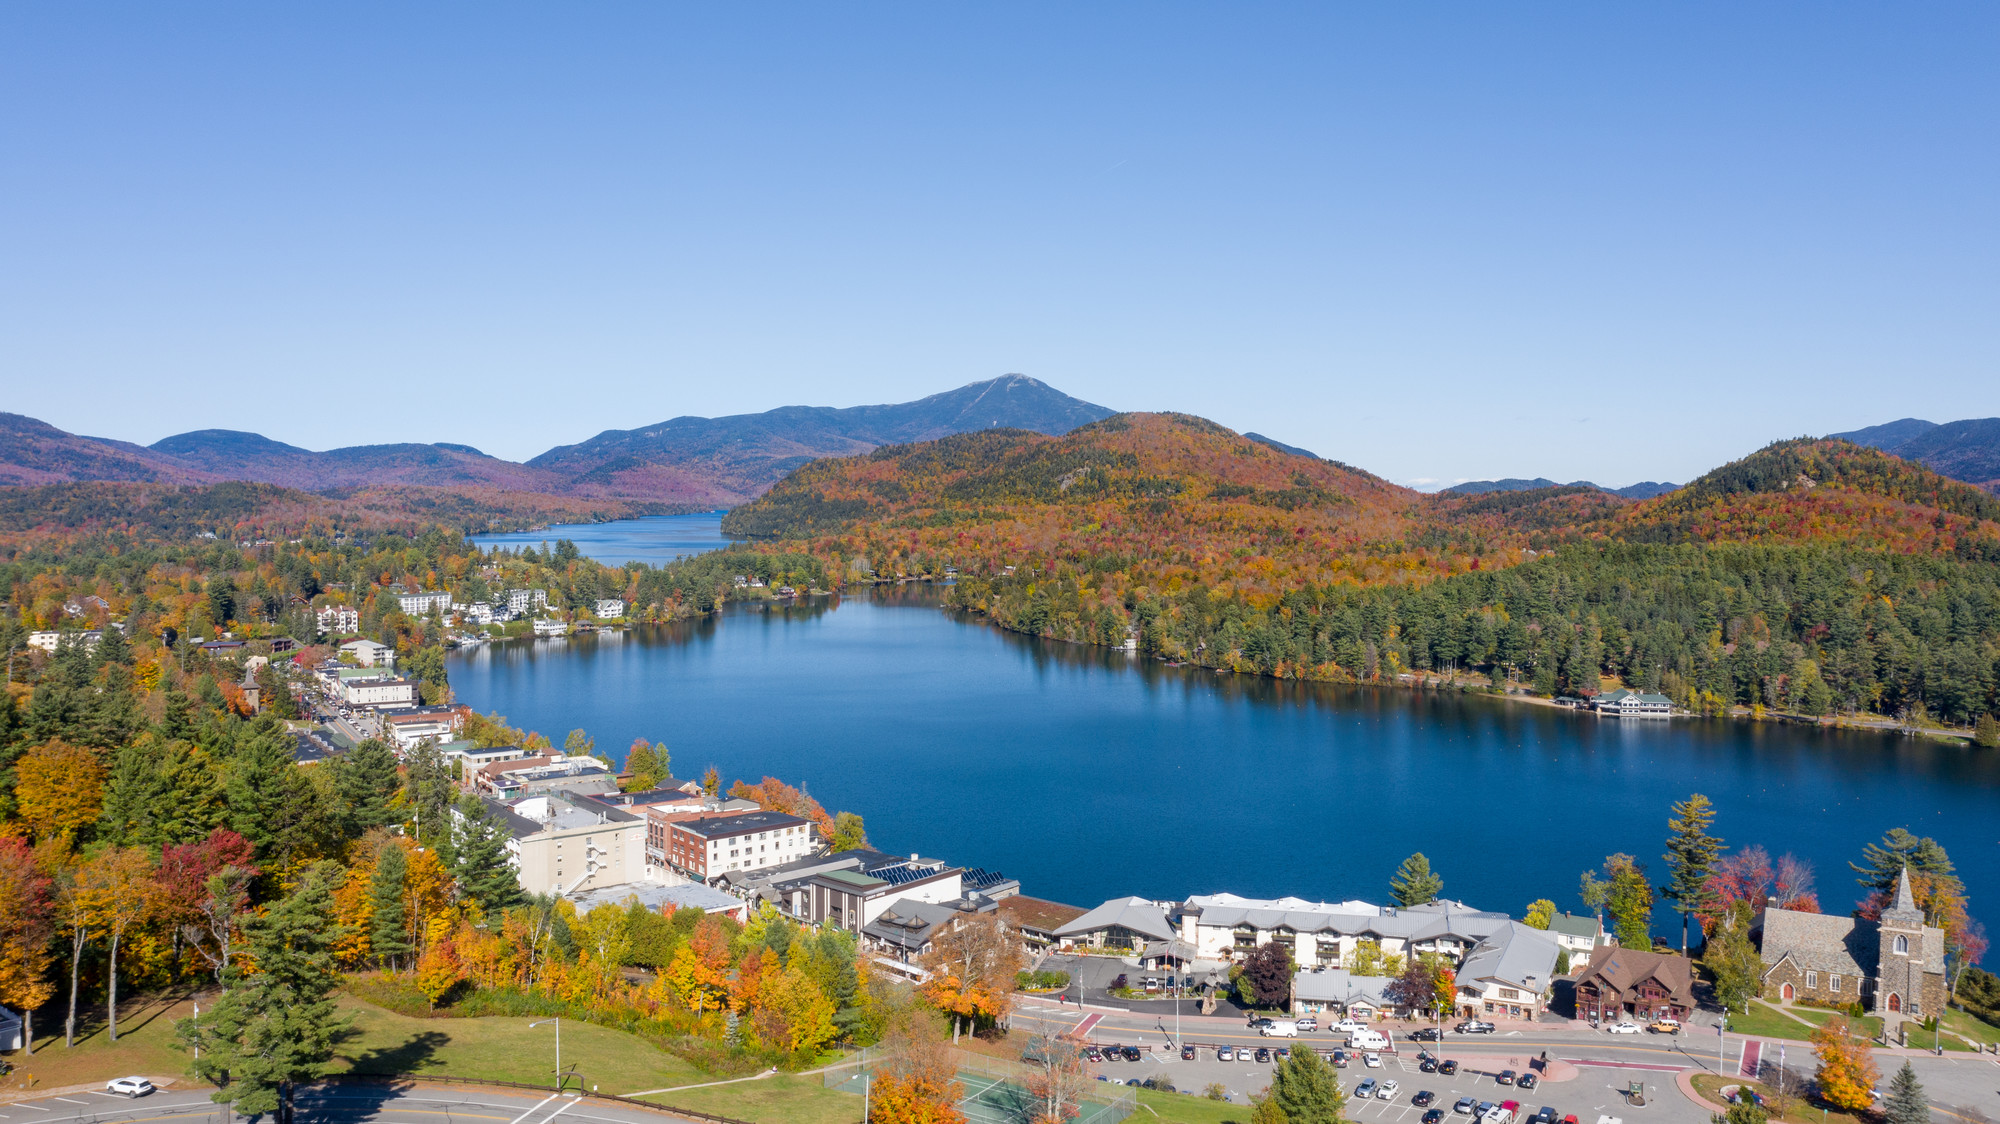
x,y
1594,1091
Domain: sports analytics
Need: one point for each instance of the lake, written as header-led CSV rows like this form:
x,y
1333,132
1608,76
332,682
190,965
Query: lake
x,y
1089,774
655,540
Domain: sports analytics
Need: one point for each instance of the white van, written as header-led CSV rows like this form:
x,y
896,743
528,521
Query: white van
x,y
1279,1028
1365,1039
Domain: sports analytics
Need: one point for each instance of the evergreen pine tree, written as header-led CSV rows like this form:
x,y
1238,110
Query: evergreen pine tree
x,y
135,797
427,789
388,929
177,721
365,781
112,647
278,1027
1905,1103
1691,854
268,800
1415,883
483,869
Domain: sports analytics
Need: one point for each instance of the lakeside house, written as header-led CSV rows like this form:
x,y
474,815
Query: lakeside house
x,y
1122,924
367,653
1633,704
1626,982
1579,934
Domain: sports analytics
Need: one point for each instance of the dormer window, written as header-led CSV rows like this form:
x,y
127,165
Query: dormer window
x,y
1902,946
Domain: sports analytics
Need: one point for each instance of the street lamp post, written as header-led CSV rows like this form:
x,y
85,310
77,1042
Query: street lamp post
x,y
558,1022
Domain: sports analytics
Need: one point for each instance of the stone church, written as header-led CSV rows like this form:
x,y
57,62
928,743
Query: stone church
x,y
1893,967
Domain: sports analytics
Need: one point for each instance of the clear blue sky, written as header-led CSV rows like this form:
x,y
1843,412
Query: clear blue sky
x,y
1440,242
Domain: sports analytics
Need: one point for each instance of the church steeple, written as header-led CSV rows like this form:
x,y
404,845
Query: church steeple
x,y
1906,902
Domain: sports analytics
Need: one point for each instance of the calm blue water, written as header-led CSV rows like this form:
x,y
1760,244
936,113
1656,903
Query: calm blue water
x,y
654,540
1088,774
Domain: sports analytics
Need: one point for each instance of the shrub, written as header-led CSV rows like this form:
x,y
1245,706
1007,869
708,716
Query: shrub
x,y
1215,1091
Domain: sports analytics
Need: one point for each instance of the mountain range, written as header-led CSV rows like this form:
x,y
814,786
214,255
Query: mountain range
x,y
689,463
1967,450
1641,491
682,462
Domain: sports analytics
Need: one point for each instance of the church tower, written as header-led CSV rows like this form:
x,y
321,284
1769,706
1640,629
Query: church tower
x,y
1899,984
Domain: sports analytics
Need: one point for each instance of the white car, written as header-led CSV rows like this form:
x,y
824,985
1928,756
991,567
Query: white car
x,y
1346,1026
1624,1028
1372,1060
130,1087
1386,1091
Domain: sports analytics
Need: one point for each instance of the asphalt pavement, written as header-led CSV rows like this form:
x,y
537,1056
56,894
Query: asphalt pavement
x,y
342,1104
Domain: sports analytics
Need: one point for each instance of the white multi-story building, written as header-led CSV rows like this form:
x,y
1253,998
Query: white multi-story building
x,y
521,601
424,603
339,620
379,692
564,843
609,608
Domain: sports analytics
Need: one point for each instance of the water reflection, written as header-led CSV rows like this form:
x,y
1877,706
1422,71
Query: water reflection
x,y
1089,773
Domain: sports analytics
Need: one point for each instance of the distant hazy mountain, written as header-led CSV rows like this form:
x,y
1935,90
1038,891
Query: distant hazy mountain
x,y
736,458
35,452
1282,447
234,455
1642,491
702,461
1963,450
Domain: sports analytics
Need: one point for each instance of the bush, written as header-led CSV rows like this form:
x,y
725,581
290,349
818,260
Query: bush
x,y
1215,1091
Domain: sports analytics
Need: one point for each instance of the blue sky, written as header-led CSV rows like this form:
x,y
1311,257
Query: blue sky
x,y
1440,242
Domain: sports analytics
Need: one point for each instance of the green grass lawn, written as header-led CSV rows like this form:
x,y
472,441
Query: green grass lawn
x,y
1766,1021
783,1099
1180,1108
1976,1029
502,1049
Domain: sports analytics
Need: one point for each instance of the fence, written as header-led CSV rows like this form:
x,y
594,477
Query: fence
x,y
1115,1102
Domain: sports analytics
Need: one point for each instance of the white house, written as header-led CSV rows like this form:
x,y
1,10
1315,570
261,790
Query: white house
x,y
1633,704
368,653
609,608
49,641
1509,973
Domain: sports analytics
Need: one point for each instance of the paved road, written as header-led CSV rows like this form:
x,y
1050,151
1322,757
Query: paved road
x,y
1961,1087
343,1104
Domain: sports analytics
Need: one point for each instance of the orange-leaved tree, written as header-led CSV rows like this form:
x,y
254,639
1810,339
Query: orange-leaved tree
x,y
1847,1073
27,928
917,1083
438,969
972,963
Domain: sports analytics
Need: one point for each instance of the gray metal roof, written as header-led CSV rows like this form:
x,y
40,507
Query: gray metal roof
x,y
1137,914
1511,956
656,896
1337,985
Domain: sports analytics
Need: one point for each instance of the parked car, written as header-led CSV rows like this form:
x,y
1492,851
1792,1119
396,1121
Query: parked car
x,y
1427,1034
1623,1028
1428,1065
1132,1054
130,1087
1224,1054
1423,1098
1463,1107
1281,1052
1505,1077
1263,1053
1387,1091
1365,1090
1092,1053
1527,1081
1372,1060
1259,1023
1187,1053
1447,1067
1482,1108
1340,1059
1434,1116
1308,1023
1547,1115
1474,1026
1664,1026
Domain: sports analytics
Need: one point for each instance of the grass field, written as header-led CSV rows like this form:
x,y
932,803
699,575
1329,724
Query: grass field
x,y
1976,1029
503,1049
783,1099
1766,1021
1180,1108
1798,1111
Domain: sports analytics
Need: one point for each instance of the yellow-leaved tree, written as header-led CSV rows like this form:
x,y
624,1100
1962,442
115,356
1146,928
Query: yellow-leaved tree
x,y
58,788
1847,1073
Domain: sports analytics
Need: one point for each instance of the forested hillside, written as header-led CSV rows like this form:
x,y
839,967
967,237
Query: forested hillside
x,y
1812,576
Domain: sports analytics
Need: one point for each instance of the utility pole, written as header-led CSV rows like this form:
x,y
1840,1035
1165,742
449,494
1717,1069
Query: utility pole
x,y
559,1072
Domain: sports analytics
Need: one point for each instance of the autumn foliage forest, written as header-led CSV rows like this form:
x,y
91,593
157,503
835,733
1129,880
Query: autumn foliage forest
x,y
1813,577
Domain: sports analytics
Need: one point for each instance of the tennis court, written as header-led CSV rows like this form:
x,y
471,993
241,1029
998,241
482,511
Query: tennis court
x,y
994,1093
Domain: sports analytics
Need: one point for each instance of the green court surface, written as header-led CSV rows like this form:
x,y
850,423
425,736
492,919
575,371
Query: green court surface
x,y
990,1100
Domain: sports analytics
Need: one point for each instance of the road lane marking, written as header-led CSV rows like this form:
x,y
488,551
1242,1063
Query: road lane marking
x,y
534,1108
